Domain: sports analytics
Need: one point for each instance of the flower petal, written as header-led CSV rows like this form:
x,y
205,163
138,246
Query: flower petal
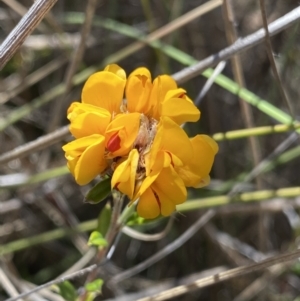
x,y
87,119
145,184
138,88
196,173
170,137
124,175
204,182
125,127
169,186
116,69
105,89
148,206
163,191
86,158
161,85
179,107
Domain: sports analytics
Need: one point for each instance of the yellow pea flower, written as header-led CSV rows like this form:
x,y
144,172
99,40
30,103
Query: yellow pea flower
x,y
162,195
125,174
85,157
138,140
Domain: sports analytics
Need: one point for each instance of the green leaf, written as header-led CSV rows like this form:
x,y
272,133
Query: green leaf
x,y
104,219
96,239
99,192
135,219
94,286
90,296
67,291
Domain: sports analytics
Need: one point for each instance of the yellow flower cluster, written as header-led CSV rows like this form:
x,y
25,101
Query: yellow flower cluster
x,y
138,140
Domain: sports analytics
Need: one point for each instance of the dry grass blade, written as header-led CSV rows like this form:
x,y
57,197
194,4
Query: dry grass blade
x,y
272,61
7,285
246,109
16,6
239,46
170,27
185,19
165,251
182,76
24,28
238,73
38,144
72,68
260,283
31,79
223,276
57,281
44,224
260,167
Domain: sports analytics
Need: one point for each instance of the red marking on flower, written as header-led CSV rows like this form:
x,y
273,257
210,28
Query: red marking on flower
x,y
170,155
114,143
143,79
157,198
182,95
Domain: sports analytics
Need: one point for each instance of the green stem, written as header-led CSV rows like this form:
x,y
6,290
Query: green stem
x,y
46,237
127,212
194,204
244,197
257,131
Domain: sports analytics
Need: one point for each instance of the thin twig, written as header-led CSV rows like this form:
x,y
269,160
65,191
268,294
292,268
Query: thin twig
x,y
162,285
278,203
182,76
16,6
210,81
223,276
168,28
58,106
232,37
34,77
82,262
24,286
148,237
7,285
260,283
74,275
36,145
240,45
24,28
62,133
261,166
165,251
247,114
73,66
113,229
272,60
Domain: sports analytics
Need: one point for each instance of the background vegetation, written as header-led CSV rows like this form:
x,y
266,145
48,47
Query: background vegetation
x,y
253,197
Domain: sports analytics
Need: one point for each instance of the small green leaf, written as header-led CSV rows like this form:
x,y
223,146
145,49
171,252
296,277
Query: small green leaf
x,y
96,239
135,219
94,286
67,291
99,192
104,219
90,296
